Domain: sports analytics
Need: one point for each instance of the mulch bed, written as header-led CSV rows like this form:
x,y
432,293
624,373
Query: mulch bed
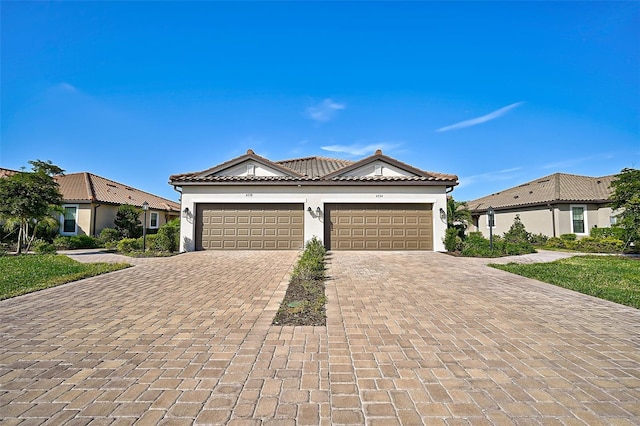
x,y
303,304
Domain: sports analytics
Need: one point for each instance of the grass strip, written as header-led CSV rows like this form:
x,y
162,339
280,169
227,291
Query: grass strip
x,y
613,278
27,273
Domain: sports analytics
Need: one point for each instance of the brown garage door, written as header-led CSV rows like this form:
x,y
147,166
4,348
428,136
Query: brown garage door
x,y
249,226
379,226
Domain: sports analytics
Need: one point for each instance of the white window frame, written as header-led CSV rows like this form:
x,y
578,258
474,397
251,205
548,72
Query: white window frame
x,y
75,230
495,219
157,220
584,215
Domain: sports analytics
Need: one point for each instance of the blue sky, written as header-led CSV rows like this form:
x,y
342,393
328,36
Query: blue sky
x,y
497,93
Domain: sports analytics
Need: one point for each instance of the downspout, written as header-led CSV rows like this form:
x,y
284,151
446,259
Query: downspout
x,y
553,219
94,217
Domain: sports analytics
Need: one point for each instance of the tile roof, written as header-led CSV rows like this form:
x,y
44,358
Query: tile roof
x,y
92,188
7,172
319,170
555,188
315,166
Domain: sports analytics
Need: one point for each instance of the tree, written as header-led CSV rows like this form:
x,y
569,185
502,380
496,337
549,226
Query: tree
x,y
127,221
458,215
626,197
29,198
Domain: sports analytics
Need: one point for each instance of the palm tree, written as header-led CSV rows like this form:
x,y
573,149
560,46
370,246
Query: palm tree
x,y
458,214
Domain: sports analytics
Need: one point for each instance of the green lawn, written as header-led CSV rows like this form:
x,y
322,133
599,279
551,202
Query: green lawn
x,y
611,278
27,273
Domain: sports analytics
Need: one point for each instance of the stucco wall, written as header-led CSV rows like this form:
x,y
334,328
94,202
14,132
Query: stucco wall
x,y
311,196
539,219
105,216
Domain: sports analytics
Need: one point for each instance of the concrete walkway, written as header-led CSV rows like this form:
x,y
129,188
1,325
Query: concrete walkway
x,y
412,338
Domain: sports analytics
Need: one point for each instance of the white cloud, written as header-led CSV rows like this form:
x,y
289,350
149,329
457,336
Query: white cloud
x,y
325,110
479,120
570,162
494,176
359,149
66,87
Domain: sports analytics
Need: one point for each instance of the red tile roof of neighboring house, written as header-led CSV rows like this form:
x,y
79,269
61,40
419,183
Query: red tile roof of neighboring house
x,y
555,188
87,187
7,172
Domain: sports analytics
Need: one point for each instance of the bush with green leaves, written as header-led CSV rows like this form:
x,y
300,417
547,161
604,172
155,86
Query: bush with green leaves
x,y
109,235
615,232
43,247
62,242
600,245
127,221
310,266
452,240
168,236
514,242
568,237
538,239
555,242
476,245
516,239
151,244
127,245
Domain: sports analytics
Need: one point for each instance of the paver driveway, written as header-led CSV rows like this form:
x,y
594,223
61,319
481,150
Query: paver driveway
x,y
413,338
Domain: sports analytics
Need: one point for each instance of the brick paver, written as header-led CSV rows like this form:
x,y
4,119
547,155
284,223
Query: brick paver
x,y
445,339
412,338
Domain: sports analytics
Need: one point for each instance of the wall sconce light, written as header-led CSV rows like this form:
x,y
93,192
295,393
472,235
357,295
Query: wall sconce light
x,y
185,212
318,211
443,215
309,210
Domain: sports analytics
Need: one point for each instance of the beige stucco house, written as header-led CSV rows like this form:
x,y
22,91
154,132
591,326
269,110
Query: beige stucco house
x,y
552,205
91,203
250,202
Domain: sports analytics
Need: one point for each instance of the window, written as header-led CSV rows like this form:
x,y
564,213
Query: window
x,y
377,170
69,221
153,220
578,219
251,170
613,220
494,220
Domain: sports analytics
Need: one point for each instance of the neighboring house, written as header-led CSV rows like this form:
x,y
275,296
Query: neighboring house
x,y
553,205
250,202
91,203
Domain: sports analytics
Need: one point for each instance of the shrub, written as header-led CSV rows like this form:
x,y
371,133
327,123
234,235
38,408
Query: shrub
x,y
127,221
615,232
475,245
43,247
555,242
151,243
127,245
452,241
109,235
538,240
310,266
568,237
168,236
62,242
516,239
600,245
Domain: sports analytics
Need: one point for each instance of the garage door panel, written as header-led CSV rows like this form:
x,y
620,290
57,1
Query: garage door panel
x,y
379,226
249,226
